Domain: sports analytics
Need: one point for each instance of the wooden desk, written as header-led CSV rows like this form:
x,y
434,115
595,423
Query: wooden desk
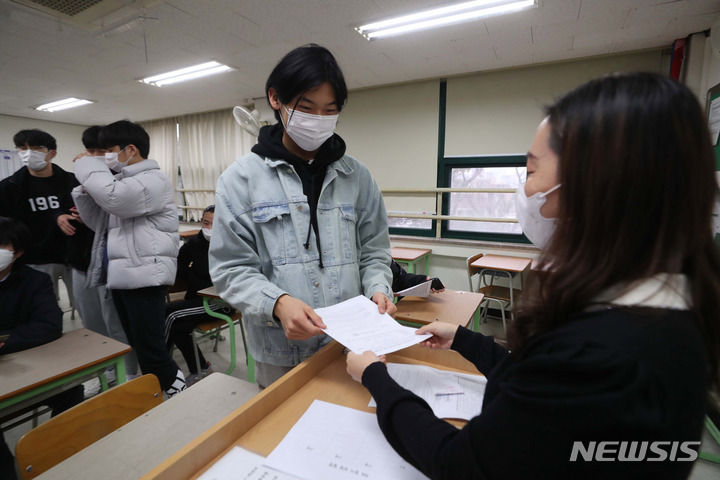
x,y
263,422
186,234
502,263
210,294
451,306
139,446
410,256
33,375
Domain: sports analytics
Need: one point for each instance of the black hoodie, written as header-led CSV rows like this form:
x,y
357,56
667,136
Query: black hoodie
x,y
311,174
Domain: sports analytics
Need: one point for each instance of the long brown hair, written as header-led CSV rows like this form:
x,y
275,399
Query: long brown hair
x,y
638,188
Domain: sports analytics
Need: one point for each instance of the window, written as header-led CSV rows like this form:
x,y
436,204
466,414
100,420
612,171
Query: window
x,y
505,172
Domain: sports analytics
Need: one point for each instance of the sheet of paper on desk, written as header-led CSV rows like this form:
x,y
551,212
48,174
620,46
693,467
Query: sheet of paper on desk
x,y
240,464
357,324
331,442
421,290
449,394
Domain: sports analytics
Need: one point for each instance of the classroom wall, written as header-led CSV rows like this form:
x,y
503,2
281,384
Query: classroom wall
x,y
67,135
393,130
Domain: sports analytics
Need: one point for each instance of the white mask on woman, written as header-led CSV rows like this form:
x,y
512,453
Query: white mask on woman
x,y
207,233
6,258
309,131
537,228
35,161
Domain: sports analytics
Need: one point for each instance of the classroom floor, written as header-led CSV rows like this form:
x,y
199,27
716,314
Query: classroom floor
x,y
220,361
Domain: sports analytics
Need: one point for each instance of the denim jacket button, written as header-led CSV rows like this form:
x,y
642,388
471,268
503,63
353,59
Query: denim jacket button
x,y
270,324
317,284
299,207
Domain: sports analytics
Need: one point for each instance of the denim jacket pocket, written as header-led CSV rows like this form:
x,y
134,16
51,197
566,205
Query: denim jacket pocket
x,y
275,225
349,231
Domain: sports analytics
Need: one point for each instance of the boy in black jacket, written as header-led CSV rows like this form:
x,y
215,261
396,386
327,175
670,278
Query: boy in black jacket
x,y
29,315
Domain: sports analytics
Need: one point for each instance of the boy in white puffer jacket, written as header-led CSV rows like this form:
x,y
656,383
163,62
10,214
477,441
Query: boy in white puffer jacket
x,y
135,217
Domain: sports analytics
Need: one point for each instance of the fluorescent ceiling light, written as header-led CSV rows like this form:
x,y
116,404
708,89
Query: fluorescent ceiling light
x,y
63,104
189,73
453,14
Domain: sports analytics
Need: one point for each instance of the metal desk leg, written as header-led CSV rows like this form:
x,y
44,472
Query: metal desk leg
x,y
231,332
715,433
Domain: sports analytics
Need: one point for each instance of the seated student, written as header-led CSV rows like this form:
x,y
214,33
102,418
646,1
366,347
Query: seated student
x,y
403,280
184,315
29,316
622,342
138,256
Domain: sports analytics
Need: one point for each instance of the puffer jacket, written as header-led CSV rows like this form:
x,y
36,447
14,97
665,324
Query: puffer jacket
x,y
258,252
138,209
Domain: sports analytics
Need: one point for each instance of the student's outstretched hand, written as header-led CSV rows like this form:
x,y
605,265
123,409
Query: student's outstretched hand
x,y
63,222
443,335
298,319
385,305
356,364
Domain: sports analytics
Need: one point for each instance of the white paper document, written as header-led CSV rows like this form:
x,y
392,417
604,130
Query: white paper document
x,y
449,394
357,324
331,442
714,120
421,290
241,464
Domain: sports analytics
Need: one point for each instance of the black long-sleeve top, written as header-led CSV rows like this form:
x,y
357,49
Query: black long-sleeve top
x,y
193,268
618,374
29,311
402,279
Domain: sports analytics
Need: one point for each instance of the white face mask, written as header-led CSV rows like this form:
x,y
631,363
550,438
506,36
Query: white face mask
x,y
6,258
111,160
207,232
537,228
33,160
309,131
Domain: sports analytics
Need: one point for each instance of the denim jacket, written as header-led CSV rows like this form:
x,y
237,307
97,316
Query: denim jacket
x,y
257,250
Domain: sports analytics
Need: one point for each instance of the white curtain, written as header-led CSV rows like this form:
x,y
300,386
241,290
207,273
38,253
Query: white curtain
x,y
164,145
209,143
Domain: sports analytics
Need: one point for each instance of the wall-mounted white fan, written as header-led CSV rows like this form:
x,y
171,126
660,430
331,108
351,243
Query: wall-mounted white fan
x,y
248,121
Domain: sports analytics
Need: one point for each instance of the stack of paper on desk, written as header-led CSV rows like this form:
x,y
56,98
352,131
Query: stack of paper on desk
x,y
357,324
449,394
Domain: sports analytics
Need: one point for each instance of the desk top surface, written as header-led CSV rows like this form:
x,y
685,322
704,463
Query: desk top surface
x,y
450,306
210,292
263,422
408,254
189,233
502,262
139,446
73,352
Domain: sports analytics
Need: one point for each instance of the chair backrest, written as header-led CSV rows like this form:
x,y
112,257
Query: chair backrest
x,y
66,434
472,270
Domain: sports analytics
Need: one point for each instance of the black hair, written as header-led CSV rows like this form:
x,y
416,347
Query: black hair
x,y
14,232
123,133
35,138
209,209
304,68
90,137
638,189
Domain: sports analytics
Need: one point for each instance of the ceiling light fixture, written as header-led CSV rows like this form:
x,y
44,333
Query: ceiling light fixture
x,y
438,17
71,102
189,73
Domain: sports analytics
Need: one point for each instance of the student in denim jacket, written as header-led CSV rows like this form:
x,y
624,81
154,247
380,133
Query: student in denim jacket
x,y
299,224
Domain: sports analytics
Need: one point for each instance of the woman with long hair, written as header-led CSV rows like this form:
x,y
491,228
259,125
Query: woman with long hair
x,y
614,355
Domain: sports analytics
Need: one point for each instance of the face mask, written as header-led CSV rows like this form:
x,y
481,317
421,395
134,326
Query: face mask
x,y
111,160
6,258
33,160
309,131
207,232
537,229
